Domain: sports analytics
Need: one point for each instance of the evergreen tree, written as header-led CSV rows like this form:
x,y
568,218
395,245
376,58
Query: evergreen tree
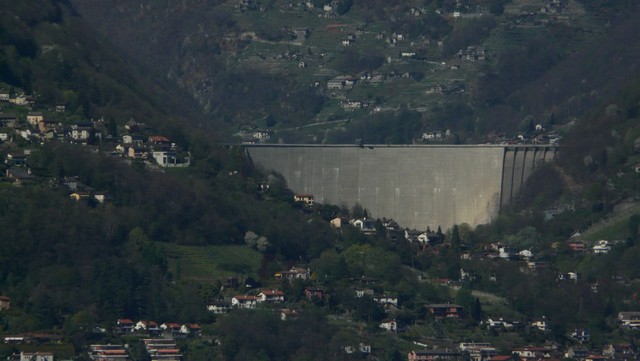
x,y
476,310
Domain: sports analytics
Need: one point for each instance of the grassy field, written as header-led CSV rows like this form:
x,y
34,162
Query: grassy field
x,y
212,263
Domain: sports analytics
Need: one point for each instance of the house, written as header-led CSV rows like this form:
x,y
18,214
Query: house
x,y
34,119
166,354
274,296
132,139
165,158
160,143
390,225
307,199
537,266
577,246
191,329
386,299
618,351
389,325
366,225
338,222
47,125
314,293
446,310
541,324
526,254
507,253
147,326
244,301
20,176
21,99
581,335
573,276
434,355
219,307
478,351
162,349
533,353
125,325
5,303
108,352
361,292
629,319
602,247
288,314
4,136
171,327
101,197
137,152
293,274
502,324
415,236
36,356
8,120
78,196
15,159
81,131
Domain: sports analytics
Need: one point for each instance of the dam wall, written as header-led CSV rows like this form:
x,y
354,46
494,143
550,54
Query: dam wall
x,y
419,186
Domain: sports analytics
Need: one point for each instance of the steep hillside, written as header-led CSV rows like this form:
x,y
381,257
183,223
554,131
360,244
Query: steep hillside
x,y
68,258
343,70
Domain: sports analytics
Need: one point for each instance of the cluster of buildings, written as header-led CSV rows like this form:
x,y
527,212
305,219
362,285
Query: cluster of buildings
x,y
53,124
158,349
481,351
152,328
138,144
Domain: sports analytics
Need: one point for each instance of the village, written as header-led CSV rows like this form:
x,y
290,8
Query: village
x,y
22,128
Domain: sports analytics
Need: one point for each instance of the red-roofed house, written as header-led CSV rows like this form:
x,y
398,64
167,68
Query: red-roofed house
x,y
149,326
171,327
312,293
445,310
159,139
244,301
191,329
125,325
271,296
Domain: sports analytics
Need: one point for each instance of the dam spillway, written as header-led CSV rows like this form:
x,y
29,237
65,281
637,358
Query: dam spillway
x,y
419,186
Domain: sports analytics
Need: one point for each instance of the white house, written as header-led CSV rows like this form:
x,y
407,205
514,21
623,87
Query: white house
x,y
526,254
165,158
275,296
244,301
219,307
366,225
360,292
629,319
385,299
602,247
389,325
81,131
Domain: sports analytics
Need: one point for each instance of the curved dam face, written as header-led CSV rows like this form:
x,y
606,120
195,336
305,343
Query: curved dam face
x,y
418,186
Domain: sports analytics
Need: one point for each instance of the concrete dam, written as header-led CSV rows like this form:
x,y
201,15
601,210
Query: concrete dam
x,y
419,186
